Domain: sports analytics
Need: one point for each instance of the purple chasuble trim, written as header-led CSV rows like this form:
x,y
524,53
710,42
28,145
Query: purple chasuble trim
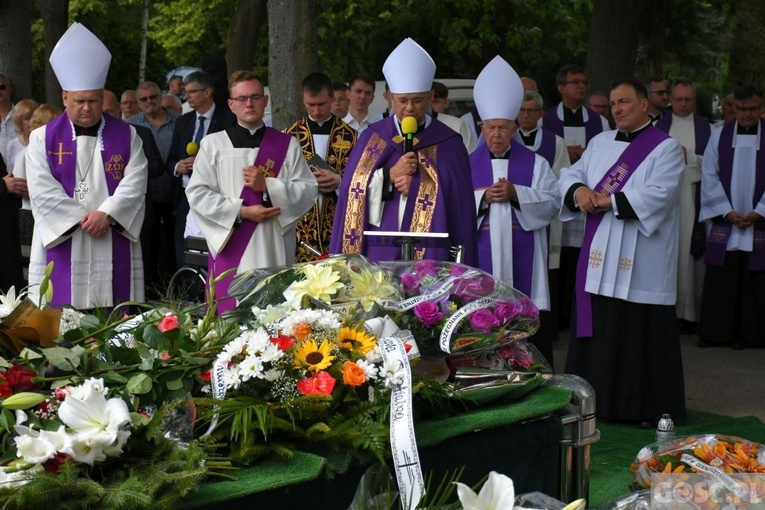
x,y
520,170
612,182
271,155
61,151
719,234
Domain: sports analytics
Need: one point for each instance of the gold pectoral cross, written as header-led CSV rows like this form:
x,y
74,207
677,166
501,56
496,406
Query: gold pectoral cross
x,y
60,153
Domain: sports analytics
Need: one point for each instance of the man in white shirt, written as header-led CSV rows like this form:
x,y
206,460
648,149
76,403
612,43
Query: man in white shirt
x,y
361,93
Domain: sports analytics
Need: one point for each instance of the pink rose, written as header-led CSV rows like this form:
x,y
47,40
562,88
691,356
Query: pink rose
x,y
529,308
506,311
426,268
428,313
410,282
168,323
483,320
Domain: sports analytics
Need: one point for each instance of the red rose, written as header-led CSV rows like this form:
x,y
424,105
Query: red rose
x,y
19,378
168,322
205,376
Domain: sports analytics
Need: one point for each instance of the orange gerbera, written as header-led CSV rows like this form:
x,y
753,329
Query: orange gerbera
x,y
353,375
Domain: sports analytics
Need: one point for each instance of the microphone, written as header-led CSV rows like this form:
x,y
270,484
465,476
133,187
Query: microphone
x,y
408,128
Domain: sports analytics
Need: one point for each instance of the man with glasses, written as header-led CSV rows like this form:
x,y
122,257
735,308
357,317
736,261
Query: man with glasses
x,y
733,198
321,134
190,127
388,188
250,186
658,97
128,104
159,225
361,93
692,131
516,195
577,125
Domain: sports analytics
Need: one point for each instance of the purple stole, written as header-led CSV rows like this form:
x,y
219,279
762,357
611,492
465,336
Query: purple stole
x,y
546,145
61,149
719,234
520,170
611,183
270,158
592,126
701,133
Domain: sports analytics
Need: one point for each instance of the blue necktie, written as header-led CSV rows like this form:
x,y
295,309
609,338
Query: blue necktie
x,y
200,130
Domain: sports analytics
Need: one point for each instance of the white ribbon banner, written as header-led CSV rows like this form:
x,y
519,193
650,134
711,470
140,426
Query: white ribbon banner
x,y
403,445
454,320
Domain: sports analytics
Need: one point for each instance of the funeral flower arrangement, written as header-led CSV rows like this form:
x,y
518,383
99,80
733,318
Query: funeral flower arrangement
x,y
730,465
298,365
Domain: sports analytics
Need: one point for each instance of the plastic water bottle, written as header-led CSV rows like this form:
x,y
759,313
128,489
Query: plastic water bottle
x,y
665,430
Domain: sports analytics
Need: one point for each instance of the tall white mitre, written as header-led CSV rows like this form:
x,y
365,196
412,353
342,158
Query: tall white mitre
x,y
409,69
80,60
498,91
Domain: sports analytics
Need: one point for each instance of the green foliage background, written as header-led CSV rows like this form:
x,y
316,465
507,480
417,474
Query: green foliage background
x,y
696,39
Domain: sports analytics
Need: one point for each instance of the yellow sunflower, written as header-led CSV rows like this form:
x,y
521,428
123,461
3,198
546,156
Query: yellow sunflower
x,y
313,357
356,339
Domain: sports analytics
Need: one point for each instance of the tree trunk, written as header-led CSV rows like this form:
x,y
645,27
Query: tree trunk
x,y
16,46
613,41
144,41
55,16
243,33
291,56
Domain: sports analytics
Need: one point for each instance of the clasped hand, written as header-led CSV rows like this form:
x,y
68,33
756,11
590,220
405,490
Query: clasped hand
x,y
254,179
742,220
401,173
591,202
501,191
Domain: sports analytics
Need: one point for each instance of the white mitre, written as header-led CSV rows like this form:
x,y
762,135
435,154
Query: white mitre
x,y
498,91
409,69
80,60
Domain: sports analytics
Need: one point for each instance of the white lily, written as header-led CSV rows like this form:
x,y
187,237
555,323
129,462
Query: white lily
x,y
497,493
9,301
97,423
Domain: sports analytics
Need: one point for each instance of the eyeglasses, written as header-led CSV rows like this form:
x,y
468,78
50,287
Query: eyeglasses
x,y
125,103
660,92
575,82
528,111
148,98
3,86
194,91
243,99
415,103
749,109
683,99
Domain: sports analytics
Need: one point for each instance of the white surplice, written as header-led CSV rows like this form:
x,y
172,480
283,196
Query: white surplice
x,y
55,213
690,272
216,184
714,201
633,260
539,203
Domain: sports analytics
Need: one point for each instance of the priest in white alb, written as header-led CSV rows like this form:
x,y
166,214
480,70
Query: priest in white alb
x,y
87,177
250,186
624,336
516,193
